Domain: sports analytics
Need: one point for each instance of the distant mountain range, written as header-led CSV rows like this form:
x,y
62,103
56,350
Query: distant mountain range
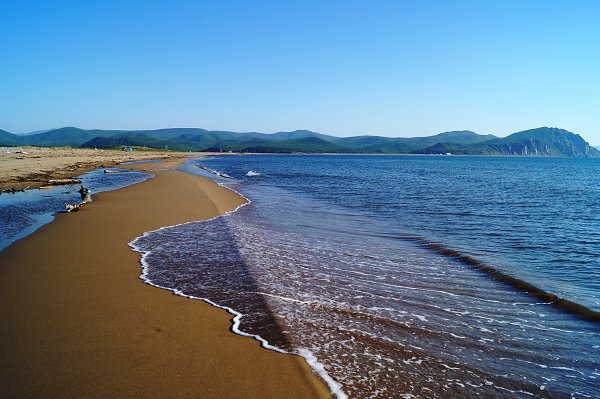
x,y
542,141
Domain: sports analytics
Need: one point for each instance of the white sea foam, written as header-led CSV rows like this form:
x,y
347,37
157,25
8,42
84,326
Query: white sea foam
x,y
318,368
334,386
365,307
457,336
285,298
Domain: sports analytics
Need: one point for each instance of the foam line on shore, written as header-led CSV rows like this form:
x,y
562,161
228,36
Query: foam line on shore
x,y
334,387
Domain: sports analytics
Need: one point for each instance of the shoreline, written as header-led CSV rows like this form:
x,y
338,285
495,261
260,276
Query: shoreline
x,y
78,321
335,389
32,167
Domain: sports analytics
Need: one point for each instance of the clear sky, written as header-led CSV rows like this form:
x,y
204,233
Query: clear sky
x,y
392,68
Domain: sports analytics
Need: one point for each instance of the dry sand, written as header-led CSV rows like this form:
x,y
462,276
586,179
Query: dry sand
x,y
77,322
31,167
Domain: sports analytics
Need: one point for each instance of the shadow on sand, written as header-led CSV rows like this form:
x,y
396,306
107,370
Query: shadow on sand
x,y
203,260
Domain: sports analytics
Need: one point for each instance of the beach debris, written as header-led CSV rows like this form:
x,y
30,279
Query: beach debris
x,y
85,198
72,207
111,171
13,190
83,191
63,182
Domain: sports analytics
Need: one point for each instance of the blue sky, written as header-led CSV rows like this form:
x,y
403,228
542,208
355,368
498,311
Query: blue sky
x,y
390,68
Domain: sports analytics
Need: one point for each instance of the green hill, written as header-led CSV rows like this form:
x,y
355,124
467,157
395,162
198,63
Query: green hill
x,y
462,137
136,140
389,145
447,148
10,139
195,139
543,141
66,136
306,144
535,142
375,144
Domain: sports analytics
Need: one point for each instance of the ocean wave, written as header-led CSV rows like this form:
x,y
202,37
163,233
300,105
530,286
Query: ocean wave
x,y
310,358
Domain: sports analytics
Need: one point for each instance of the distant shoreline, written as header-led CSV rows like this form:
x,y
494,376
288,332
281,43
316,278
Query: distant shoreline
x,y
32,167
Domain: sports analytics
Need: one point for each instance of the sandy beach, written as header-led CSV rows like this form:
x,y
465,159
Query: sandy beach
x,y
78,322
32,167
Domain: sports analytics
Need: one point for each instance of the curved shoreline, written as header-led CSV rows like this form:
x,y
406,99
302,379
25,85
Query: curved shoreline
x,y
318,368
77,322
309,357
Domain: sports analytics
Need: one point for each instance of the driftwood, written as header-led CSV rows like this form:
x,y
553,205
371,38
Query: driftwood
x,y
85,198
72,207
63,182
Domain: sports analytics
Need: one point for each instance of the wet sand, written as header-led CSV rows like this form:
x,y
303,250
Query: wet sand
x,y
76,320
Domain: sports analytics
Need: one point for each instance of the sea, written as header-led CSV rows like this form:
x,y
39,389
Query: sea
x,y
401,276
404,276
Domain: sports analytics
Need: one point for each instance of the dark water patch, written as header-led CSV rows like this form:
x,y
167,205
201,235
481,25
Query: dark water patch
x,y
521,285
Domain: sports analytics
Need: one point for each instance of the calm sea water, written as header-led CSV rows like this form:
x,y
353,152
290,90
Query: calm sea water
x,y
23,213
397,274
